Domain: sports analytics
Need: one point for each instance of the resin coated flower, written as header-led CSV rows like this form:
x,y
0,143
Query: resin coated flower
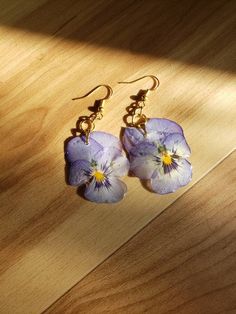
x,y
160,155
98,165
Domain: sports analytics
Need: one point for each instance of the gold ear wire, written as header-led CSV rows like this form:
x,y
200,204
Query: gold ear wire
x,y
108,95
86,124
156,81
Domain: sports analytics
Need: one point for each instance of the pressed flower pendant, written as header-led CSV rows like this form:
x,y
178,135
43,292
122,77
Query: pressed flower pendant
x,y
96,159
98,165
156,147
159,154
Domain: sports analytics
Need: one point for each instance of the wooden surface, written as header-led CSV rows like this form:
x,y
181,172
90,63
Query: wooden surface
x,y
182,262
51,51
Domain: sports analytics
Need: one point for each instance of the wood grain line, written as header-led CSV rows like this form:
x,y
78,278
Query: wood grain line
x,y
184,261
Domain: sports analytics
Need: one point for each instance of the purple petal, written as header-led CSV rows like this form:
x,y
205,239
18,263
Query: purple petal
x,y
177,144
77,149
156,129
163,126
132,137
144,148
78,172
112,194
155,137
107,155
170,182
106,139
120,166
143,167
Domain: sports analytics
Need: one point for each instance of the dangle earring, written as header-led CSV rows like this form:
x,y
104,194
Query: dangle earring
x,y
156,147
95,158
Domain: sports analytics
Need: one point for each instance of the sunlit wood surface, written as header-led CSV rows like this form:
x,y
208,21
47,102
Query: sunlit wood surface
x,y
182,262
52,51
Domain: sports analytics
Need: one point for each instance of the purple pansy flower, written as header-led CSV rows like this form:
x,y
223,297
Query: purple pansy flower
x,y
160,155
98,165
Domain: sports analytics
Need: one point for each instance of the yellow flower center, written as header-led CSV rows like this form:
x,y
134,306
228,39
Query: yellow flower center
x,y
166,159
99,176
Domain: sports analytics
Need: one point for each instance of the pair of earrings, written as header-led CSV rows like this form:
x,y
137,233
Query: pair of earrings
x,y
156,148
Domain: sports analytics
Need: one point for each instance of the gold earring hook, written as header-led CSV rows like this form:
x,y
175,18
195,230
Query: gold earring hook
x,y
108,95
85,125
138,119
156,81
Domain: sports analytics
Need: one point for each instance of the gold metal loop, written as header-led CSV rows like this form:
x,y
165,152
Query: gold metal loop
x,y
86,125
139,120
108,95
156,81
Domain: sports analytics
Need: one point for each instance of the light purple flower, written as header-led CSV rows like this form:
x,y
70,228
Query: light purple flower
x,y
98,165
160,155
